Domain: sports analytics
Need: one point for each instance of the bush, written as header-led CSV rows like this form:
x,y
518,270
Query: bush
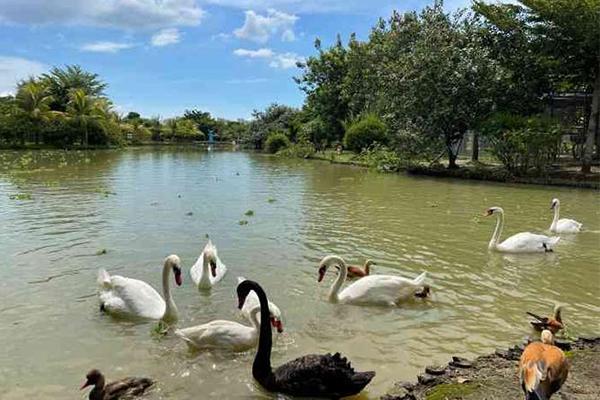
x,y
381,157
276,141
314,131
365,132
303,149
523,144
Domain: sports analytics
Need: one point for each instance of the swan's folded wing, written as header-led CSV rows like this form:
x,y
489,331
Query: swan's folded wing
x,y
196,270
139,297
378,289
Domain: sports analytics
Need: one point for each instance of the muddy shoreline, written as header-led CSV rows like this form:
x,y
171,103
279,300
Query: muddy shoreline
x,y
494,376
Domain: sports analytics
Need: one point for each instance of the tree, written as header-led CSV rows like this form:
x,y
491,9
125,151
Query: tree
x,y
84,112
566,31
444,84
204,121
62,81
275,118
34,103
323,80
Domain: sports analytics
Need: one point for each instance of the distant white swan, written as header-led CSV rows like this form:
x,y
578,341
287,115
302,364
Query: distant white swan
x,y
129,297
252,302
564,225
524,242
373,289
201,276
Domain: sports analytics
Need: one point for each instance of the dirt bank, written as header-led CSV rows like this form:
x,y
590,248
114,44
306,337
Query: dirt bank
x,y
494,376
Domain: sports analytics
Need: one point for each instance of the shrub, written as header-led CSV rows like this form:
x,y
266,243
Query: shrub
x,y
523,144
381,157
303,149
276,141
365,132
314,131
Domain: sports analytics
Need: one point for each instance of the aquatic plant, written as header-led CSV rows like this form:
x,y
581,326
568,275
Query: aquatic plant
x,y
21,196
249,213
243,222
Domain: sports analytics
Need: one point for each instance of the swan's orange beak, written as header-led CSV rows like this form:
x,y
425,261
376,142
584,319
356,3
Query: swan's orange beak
x,y
277,324
85,384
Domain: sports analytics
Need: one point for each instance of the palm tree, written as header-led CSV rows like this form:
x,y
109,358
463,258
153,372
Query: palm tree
x,y
84,110
62,81
34,101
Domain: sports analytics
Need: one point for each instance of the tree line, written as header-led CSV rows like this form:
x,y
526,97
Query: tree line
x,y
422,80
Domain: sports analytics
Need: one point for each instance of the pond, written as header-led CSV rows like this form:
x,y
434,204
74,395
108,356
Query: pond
x,y
60,210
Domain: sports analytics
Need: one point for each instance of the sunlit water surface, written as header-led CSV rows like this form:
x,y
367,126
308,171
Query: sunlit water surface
x,y
136,204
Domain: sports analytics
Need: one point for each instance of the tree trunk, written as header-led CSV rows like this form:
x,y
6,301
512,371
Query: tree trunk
x,y
475,149
588,148
451,157
85,133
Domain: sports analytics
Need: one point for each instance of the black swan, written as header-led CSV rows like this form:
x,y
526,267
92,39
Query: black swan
x,y
313,375
121,389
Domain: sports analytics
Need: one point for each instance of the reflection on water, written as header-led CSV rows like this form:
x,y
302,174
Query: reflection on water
x,y
143,204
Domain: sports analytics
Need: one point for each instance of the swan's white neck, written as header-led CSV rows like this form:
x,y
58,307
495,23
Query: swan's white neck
x,y
205,277
341,278
556,214
171,309
254,312
498,231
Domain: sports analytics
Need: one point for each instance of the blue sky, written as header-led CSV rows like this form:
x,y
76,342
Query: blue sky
x,y
160,57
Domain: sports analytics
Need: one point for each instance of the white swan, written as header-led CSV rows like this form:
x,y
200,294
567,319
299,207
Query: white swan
x,y
128,297
564,225
524,242
223,335
200,274
372,289
252,301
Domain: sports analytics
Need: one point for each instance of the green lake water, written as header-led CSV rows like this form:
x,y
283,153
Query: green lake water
x,y
58,209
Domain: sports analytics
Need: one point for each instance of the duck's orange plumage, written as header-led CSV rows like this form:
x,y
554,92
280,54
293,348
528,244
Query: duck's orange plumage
x,y
553,324
354,271
543,368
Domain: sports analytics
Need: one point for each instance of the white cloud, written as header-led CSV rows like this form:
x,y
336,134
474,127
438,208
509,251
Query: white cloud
x,y
165,37
106,47
260,28
221,36
260,53
14,69
276,60
246,81
121,14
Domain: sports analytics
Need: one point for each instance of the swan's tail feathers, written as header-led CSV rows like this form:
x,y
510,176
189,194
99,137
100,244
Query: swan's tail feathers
x,y
419,280
553,241
241,279
104,279
362,379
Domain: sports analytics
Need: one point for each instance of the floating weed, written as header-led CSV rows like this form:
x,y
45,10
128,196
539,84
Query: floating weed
x,y
160,330
249,213
101,252
243,222
21,196
271,200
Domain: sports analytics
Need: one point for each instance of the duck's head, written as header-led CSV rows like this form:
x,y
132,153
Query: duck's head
x,y
555,203
547,337
174,263
370,263
93,378
492,211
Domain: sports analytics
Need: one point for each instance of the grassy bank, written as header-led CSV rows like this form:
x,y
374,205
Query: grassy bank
x,y
489,171
494,376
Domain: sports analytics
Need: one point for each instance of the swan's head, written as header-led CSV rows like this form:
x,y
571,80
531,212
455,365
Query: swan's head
x,y
555,203
275,317
328,261
174,263
369,263
92,379
492,211
547,337
423,292
210,255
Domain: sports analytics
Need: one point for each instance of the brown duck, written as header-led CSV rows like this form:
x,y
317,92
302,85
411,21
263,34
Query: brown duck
x,y
122,389
553,324
543,368
355,271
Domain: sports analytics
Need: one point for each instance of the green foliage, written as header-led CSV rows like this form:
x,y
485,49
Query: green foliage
x,y
381,158
365,132
303,149
449,391
203,120
60,82
249,213
523,143
276,142
275,118
316,132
